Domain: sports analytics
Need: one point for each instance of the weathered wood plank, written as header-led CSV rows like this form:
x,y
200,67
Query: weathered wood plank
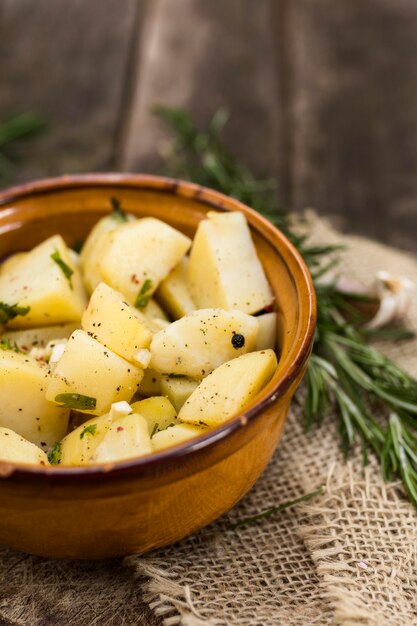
x,y
67,61
201,56
354,124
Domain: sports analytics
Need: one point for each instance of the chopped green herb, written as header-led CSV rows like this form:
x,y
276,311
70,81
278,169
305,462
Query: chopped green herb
x,y
144,295
117,212
91,430
66,270
76,401
6,344
54,456
10,311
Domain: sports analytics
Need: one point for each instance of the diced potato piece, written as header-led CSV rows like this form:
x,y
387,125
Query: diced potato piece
x,y
127,437
94,372
150,385
90,256
228,389
11,262
23,407
175,435
153,311
39,337
201,341
39,282
78,447
173,292
178,389
267,333
139,255
15,449
157,411
224,268
114,323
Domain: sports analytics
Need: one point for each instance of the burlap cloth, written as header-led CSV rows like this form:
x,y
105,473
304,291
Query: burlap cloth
x,y
348,557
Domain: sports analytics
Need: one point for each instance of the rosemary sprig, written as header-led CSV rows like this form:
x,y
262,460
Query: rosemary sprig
x,y
246,521
12,132
344,372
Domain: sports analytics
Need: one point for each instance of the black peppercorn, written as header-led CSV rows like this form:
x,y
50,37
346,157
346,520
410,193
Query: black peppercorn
x,y
238,341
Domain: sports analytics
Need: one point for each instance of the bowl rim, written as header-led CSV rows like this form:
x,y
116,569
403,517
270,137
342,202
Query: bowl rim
x,y
217,200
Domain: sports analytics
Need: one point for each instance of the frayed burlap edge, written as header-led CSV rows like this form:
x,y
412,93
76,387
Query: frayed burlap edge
x,y
167,598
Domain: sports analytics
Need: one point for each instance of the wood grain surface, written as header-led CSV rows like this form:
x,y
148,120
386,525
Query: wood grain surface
x,y
322,95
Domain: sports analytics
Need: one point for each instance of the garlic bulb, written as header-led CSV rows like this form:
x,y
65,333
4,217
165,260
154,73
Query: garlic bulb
x,y
395,296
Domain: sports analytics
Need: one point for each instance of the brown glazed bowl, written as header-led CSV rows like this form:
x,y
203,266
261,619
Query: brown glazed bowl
x,y
144,503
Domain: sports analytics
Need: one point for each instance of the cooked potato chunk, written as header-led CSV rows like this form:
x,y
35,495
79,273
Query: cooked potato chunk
x,y
90,377
201,341
178,389
267,334
126,438
78,447
11,261
30,338
90,256
173,292
150,385
157,411
154,311
23,407
224,269
175,435
46,283
115,324
139,255
229,388
15,449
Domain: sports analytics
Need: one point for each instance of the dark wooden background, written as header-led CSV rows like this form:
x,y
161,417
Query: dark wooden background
x,y
322,93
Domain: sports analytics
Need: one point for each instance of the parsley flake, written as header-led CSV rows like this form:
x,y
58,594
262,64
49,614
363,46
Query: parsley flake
x,y
144,294
91,430
54,456
66,270
10,311
6,344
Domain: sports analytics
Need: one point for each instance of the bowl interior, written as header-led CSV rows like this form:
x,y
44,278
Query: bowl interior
x,y
70,206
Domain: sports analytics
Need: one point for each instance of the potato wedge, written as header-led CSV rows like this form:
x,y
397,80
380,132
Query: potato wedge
x,y
150,385
173,292
157,411
30,338
90,256
178,389
16,449
79,446
114,323
267,333
175,435
90,377
45,283
137,256
201,341
229,388
24,408
224,269
127,438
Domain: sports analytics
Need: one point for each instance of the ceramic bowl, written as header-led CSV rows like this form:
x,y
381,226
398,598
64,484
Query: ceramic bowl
x,y
144,503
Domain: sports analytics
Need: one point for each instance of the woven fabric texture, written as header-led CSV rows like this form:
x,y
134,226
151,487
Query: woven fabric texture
x,y
347,557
